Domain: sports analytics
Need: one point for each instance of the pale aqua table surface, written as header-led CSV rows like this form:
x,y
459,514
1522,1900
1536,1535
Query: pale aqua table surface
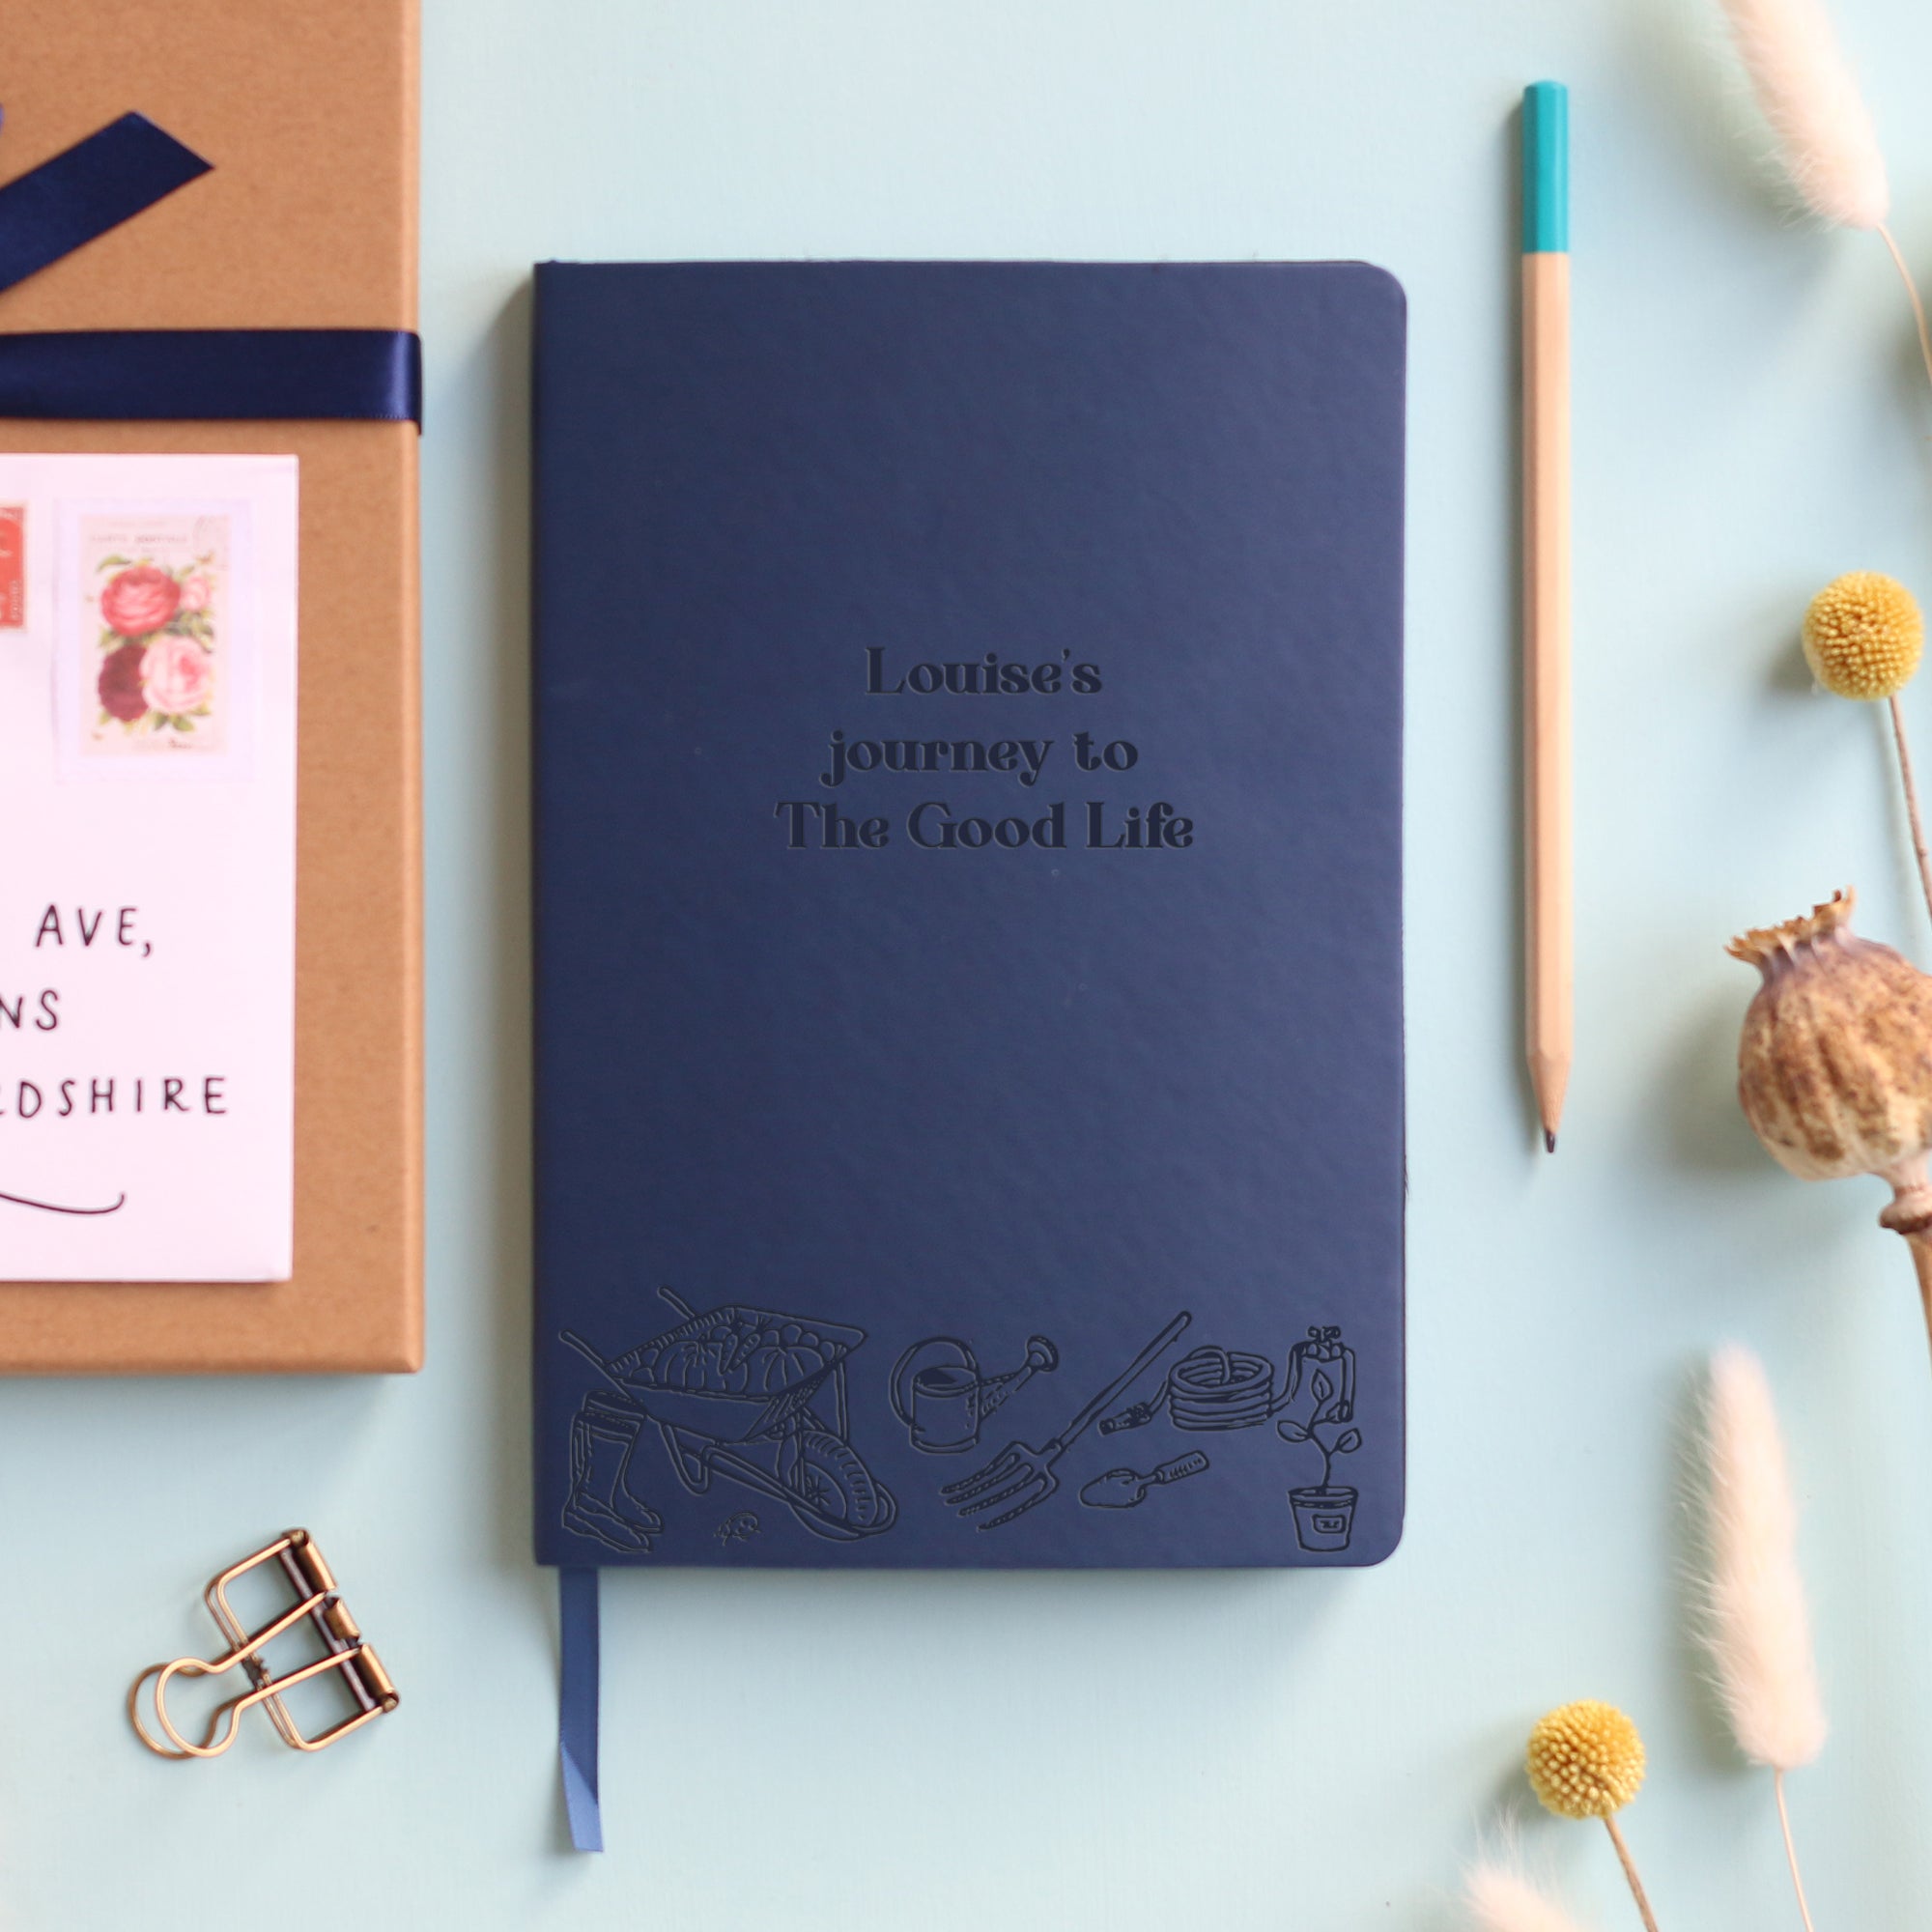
x,y
1052,1753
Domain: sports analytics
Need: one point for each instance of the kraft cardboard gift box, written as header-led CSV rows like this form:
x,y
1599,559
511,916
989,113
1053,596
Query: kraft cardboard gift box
x,y
306,220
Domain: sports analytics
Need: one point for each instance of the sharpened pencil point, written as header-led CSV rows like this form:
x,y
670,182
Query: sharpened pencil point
x,y
1549,1140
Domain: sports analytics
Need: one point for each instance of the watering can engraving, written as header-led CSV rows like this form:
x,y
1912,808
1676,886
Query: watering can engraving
x,y
942,1398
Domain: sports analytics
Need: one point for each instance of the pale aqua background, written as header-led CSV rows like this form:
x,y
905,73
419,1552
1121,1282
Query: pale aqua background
x,y
1181,1752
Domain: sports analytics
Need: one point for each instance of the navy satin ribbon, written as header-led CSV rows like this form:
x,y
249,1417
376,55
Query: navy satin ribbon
x,y
174,374
576,1707
86,189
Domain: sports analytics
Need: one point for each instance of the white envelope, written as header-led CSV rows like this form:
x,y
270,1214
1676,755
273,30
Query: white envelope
x,y
147,868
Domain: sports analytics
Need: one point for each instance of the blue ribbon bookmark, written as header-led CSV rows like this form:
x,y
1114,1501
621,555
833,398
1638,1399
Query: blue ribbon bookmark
x,y
213,374
86,189
576,1707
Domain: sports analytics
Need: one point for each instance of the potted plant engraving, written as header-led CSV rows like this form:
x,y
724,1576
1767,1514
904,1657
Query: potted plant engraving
x,y
1325,1512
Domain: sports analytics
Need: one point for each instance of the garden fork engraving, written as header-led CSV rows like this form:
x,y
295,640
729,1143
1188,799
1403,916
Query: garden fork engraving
x,y
1020,1477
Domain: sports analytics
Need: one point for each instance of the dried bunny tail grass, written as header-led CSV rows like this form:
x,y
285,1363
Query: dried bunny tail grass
x,y
1756,1625
1825,136
1500,1898
1806,93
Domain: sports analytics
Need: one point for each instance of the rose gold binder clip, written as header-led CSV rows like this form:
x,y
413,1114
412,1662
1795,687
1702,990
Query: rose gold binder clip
x,y
320,1602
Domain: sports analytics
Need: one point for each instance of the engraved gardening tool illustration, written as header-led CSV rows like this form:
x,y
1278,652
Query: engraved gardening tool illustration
x,y
731,1393
1213,1389
942,1398
1020,1477
1124,1490
1325,1512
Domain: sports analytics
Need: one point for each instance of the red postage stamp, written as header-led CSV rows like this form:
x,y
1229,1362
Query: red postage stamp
x,y
12,566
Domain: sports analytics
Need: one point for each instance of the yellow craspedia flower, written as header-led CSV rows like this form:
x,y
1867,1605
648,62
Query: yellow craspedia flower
x,y
1585,1760
1863,634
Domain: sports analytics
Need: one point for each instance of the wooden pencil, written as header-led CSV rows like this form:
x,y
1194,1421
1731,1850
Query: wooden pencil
x,y
1548,895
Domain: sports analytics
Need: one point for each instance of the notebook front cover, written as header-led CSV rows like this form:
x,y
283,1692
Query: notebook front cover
x,y
968,740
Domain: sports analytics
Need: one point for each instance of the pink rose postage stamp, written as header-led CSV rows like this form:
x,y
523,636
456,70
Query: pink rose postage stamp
x,y
156,597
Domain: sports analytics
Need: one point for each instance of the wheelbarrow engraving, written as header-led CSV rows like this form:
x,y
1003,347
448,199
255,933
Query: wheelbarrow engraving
x,y
731,1393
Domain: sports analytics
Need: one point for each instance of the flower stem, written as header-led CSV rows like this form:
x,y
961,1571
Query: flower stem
x,y
1922,1260
1791,1852
1891,248
1912,295
1909,1212
1630,1872
1912,801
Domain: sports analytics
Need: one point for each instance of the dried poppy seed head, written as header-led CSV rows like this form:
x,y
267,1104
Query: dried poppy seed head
x,y
1864,635
1585,1760
1835,1061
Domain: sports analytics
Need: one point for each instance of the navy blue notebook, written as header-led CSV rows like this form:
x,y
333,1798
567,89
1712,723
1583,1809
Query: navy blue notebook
x,y
969,890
